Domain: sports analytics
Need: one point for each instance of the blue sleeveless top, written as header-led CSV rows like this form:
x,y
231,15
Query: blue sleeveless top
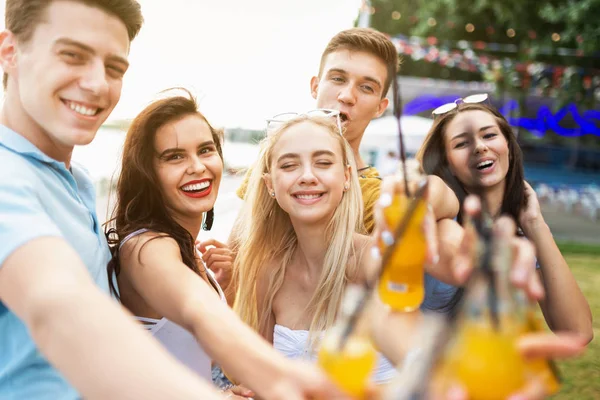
x,y
437,295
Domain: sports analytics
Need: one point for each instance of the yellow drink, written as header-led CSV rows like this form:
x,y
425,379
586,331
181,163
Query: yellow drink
x,y
486,361
351,368
401,286
483,355
541,368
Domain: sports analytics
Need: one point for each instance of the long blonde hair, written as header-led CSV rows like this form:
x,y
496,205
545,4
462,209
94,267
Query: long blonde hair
x,y
267,235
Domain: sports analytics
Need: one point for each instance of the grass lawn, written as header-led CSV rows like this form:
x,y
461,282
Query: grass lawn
x,y
581,377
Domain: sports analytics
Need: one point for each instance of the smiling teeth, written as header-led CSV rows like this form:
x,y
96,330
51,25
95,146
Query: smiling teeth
x,y
196,186
307,196
79,109
485,164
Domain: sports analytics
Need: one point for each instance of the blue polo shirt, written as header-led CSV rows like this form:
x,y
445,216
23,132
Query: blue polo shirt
x,y
39,197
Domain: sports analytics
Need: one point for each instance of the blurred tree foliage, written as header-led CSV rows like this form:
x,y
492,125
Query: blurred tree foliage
x,y
534,22
538,29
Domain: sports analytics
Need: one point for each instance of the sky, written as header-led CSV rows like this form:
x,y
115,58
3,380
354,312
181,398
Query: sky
x,y
245,60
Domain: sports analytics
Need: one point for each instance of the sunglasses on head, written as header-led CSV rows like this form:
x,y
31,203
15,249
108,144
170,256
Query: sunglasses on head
x,y
279,119
445,108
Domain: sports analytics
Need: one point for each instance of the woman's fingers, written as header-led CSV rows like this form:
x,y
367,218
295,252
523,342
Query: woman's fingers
x,y
204,245
534,390
214,257
549,345
463,261
522,273
242,391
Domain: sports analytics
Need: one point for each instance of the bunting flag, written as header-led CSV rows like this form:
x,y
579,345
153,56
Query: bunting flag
x,y
463,57
504,47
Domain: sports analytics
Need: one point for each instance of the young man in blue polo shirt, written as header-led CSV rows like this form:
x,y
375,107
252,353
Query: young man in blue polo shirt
x,y
61,337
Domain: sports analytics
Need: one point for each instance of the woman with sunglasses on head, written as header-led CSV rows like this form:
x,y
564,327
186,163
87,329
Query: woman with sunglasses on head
x,y
473,149
301,244
171,170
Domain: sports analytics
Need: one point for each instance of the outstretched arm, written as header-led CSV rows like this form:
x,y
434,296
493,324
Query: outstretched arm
x,y
457,244
565,307
154,267
101,351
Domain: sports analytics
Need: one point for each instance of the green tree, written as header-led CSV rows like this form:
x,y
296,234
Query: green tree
x,y
539,30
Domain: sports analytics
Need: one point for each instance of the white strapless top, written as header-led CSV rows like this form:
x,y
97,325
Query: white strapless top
x,y
177,340
294,344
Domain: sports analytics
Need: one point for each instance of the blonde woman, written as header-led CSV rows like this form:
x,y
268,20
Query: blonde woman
x,y
302,247
171,173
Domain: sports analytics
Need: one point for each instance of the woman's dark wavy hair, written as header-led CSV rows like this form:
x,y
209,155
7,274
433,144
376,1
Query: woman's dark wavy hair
x,y
140,203
432,157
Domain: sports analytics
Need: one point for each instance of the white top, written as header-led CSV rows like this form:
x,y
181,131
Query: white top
x,y
294,344
178,341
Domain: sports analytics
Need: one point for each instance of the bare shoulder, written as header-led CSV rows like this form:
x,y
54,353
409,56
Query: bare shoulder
x,y
443,199
438,185
147,248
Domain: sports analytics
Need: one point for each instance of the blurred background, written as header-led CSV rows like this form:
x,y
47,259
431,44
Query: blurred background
x,y
248,60
540,62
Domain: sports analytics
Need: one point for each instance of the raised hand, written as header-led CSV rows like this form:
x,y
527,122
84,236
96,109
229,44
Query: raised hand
x,y
218,258
304,381
534,345
238,393
522,273
532,213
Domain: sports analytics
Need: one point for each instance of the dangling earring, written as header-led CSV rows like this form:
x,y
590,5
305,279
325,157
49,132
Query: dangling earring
x,y
209,218
272,194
